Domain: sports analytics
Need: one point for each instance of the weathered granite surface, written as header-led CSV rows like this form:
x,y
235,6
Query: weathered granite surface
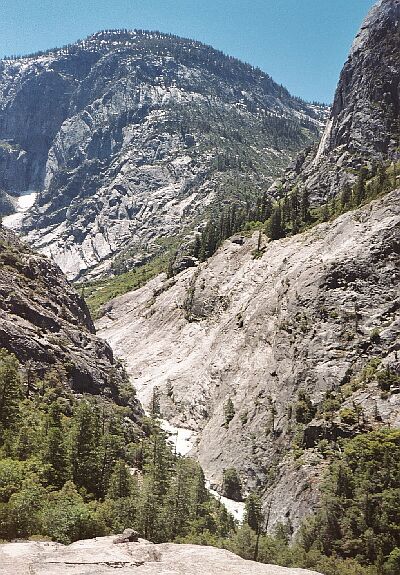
x,y
47,325
304,316
102,557
364,125
129,137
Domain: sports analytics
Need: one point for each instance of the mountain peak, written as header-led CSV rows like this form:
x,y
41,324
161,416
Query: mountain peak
x,y
113,131
383,14
364,125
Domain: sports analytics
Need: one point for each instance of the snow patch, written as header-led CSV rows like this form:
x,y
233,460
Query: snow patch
x,y
24,202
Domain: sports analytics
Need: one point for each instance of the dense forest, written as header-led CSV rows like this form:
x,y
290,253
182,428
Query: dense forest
x,y
74,467
356,528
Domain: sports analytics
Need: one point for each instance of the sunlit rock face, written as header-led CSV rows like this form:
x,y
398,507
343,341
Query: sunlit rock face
x,y
301,318
259,331
364,125
130,137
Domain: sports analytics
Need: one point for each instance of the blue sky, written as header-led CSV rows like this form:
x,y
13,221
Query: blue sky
x,y
300,43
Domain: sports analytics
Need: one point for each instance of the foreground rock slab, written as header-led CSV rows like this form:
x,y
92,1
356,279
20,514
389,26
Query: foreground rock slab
x,y
101,556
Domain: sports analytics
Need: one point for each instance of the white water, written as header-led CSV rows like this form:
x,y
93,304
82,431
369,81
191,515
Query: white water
x,y
24,202
323,142
235,508
183,440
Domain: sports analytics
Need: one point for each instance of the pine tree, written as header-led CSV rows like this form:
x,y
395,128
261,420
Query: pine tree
x,y
381,178
155,403
231,484
360,190
10,390
85,450
200,492
153,522
111,448
295,211
265,208
254,514
286,215
229,411
274,228
345,197
182,504
122,484
253,518
305,207
325,212
197,246
55,451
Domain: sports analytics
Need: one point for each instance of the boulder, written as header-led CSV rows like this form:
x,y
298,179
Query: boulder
x,y
128,536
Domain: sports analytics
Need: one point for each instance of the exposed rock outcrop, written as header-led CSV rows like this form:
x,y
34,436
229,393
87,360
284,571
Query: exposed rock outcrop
x,y
130,137
47,325
101,557
364,124
303,317
312,323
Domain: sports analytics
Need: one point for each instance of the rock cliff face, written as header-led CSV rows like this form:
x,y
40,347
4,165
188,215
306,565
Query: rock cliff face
x,y
130,137
47,325
364,124
303,335
305,318
102,557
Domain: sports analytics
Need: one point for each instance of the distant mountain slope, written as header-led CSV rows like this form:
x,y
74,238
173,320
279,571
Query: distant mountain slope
x,y
128,138
364,126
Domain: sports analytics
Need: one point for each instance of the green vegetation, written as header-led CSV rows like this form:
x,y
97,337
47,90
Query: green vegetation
x,y
330,405
231,484
356,529
229,411
304,411
73,469
99,292
10,391
359,514
230,221
387,379
293,214
76,468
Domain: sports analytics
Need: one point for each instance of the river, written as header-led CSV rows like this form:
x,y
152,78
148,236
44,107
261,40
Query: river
x,y
182,441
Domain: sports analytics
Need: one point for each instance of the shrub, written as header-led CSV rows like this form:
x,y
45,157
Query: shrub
x,y
231,484
229,411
